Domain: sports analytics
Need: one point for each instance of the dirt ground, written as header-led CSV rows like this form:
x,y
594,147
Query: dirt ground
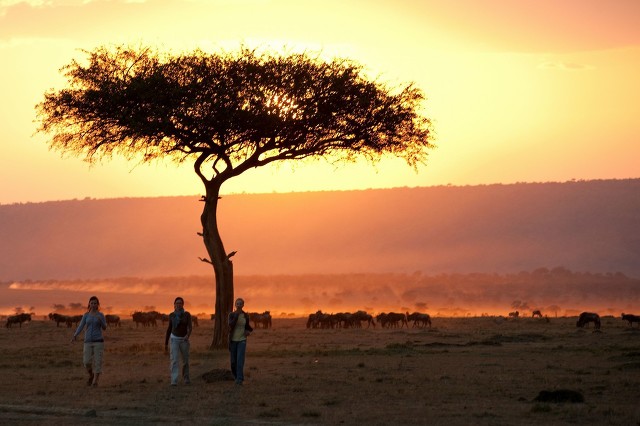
x,y
462,371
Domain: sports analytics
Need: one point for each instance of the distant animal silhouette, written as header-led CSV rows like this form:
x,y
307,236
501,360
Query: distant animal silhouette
x,y
631,318
342,320
113,320
147,319
73,320
260,320
362,316
536,313
18,319
515,314
320,320
419,319
586,317
59,318
392,320
164,318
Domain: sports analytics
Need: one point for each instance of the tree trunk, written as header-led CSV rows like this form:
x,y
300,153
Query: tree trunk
x,y
222,267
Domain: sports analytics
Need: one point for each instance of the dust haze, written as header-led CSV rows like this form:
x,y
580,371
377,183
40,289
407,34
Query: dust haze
x,y
446,250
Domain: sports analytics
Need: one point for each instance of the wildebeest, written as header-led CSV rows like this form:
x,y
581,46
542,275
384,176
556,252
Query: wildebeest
x,y
382,319
514,314
312,320
147,319
17,319
73,320
586,317
260,320
113,320
392,320
363,316
536,313
58,318
342,320
157,316
320,320
419,319
631,318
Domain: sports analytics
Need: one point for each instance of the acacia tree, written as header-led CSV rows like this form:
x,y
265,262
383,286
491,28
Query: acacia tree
x,y
228,113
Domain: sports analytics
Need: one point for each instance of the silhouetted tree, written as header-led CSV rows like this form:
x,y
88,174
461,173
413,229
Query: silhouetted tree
x,y
554,309
76,306
58,307
421,306
229,113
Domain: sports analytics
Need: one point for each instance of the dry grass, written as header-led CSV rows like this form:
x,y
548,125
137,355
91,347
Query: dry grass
x,y
480,371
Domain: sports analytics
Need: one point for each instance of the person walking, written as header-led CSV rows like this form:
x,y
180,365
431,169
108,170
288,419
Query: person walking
x,y
239,330
93,349
178,333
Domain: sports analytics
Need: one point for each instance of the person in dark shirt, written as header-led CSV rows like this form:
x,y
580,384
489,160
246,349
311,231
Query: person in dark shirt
x,y
178,334
239,329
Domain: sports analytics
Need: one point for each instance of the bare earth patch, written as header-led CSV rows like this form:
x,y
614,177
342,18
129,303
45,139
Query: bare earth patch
x,y
462,371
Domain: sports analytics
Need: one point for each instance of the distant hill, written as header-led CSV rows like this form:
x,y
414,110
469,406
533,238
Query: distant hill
x,y
583,226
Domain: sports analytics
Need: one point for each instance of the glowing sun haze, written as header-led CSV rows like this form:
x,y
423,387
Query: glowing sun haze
x,y
519,91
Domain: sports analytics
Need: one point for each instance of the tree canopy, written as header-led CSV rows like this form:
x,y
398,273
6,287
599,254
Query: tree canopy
x,y
232,111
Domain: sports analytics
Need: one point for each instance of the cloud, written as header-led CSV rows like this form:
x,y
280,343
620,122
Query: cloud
x,y
6,4
71,19
89,286
565,66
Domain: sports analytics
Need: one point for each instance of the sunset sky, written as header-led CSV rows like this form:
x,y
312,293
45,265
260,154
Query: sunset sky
x,y
518,91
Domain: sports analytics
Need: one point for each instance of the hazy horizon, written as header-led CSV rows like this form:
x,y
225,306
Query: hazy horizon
x,y
556,292
63,252
198,194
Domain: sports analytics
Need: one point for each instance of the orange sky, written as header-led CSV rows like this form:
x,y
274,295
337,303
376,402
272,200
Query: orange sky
x,y
519,91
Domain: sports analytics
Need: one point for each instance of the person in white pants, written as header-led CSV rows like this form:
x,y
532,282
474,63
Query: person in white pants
x,y
178,333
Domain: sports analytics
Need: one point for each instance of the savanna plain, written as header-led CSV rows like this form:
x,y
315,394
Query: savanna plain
x,y
461,371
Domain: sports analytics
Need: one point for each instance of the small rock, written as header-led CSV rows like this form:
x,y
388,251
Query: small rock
x,y
558,396
218,375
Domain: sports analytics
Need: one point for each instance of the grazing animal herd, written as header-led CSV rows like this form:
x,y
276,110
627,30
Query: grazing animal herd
x,y
262,320
340,320
355,320
68,320
318,320
151,318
